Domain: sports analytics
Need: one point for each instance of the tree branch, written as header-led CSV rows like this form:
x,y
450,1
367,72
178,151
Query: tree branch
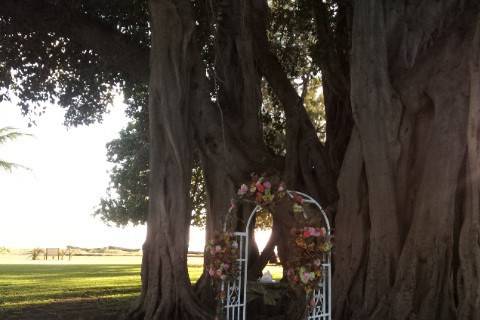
x,y
306,156
116,50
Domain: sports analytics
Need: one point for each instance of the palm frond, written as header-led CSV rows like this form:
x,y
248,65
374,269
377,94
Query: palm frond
x,y
9,133
6,129
10,166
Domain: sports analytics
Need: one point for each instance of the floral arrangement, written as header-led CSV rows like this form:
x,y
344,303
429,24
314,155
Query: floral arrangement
x,y
262,191
265,191
311,243
297,204
221,254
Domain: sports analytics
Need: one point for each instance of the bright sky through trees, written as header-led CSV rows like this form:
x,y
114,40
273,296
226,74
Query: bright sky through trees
x,y
52,205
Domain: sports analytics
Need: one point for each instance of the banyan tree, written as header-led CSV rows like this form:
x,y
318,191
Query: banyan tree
x,y
394,157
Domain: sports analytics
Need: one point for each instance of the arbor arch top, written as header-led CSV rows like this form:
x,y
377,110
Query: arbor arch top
x,y
235,300
307,199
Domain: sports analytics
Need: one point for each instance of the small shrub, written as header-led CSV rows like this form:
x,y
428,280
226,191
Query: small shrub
x,y
36,253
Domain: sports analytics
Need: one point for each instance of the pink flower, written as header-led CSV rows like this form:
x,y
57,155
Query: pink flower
x,y
226,266
311,232
306,277
267,185
323,232
260,187
211,272
315,232
297,198
281,187
243,190
218,248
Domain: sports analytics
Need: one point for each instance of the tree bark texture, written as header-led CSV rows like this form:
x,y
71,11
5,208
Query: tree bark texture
x,y
407,223
166,288
407,227
307,163
232,145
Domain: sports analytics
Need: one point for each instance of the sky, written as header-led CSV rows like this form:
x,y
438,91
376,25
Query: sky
x,y
52,205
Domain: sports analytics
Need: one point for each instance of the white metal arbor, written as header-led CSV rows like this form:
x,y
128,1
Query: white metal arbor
x,y
235,306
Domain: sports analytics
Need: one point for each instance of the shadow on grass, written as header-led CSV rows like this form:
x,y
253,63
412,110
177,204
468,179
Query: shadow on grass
x,y
73,309
36,271
72,293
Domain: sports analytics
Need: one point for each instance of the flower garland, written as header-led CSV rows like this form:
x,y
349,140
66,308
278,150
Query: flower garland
x,y
306,270
221,254
262,191
310,243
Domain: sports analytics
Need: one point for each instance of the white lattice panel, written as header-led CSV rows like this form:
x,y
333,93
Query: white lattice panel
x,y
322,296
234,306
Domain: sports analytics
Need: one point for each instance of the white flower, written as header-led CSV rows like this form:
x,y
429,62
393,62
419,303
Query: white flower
x,y
243,189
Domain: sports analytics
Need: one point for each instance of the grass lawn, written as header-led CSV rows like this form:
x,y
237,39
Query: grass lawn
x,y
84,288
22,285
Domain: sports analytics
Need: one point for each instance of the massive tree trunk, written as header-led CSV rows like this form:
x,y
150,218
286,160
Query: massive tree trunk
x,y
407,225
232,143
166,288
332,52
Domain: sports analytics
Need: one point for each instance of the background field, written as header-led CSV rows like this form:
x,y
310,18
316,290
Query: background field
x,y
85,288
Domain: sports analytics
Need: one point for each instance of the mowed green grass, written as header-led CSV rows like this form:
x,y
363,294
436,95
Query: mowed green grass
x,y
42,284
30,285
